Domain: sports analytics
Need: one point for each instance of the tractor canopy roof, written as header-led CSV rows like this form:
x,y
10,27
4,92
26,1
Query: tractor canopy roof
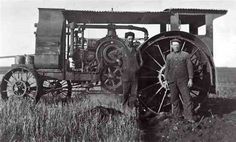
x,y
186,16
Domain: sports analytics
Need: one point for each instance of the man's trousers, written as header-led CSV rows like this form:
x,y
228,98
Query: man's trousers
x,y
130,89
181,93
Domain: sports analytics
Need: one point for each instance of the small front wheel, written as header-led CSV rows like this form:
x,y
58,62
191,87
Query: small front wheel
x,y
20,82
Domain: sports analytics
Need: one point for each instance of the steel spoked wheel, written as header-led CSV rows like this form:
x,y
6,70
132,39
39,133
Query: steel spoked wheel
x,y
57,88
20,82
152,84
111,78
153,88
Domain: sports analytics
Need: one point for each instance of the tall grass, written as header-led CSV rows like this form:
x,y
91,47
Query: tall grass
x,y
20,120
226,82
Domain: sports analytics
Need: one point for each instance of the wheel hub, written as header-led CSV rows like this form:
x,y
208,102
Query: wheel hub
x,y
162,79
110,76
19,88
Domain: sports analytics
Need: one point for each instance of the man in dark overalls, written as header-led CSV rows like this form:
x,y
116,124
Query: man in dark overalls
x,y
179,75
130,62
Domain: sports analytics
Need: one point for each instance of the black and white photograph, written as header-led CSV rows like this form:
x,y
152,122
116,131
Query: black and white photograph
x,y
117,70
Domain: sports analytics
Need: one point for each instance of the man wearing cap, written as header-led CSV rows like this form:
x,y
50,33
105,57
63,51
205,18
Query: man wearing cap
x,y
179,75
130,62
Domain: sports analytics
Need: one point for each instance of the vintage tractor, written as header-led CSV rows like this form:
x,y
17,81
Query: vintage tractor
x,y
66,59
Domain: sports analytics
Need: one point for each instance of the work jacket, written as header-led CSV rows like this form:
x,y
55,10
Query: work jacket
x,y
131,62
178,67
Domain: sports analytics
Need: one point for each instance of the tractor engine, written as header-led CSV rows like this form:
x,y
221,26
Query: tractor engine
x,y
85,59
97,54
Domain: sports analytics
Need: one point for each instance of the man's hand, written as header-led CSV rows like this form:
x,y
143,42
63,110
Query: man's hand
x,y
166,85
141,59
190,82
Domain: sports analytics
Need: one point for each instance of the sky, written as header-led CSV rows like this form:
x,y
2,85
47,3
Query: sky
x,y
17,18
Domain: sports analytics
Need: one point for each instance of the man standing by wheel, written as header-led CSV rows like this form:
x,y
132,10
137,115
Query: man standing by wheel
x,y
179,75
130,62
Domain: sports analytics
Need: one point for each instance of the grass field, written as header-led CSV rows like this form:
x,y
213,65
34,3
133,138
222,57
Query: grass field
x,y
226,82
79,120
75,121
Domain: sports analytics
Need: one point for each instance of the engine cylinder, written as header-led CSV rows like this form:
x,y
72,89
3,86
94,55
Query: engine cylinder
x,y
20,59
29,59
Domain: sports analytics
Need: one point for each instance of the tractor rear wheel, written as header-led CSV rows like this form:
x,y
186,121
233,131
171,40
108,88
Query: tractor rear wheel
x,y
153,89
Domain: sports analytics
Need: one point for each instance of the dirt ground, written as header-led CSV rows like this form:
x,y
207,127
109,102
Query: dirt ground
x,y
215,124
